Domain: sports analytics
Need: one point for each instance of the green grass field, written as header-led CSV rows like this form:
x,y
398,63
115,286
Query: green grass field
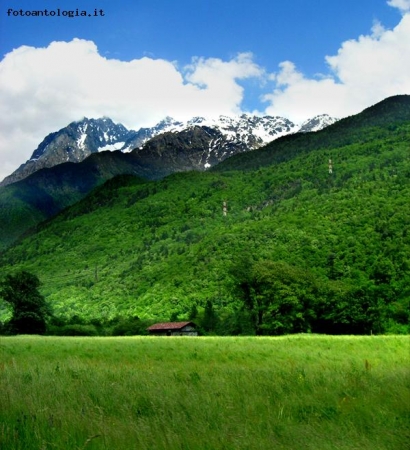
x,y
293,392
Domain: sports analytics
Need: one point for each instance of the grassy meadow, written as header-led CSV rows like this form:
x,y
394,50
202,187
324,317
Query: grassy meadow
x,y
291,392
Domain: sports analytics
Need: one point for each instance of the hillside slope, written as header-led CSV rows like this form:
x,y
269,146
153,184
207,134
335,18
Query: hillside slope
x,y
376,121
43,194
155,249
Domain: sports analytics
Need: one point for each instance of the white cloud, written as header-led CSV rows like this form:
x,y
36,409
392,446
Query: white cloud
x,y
43,89
363,72
215,78
403,5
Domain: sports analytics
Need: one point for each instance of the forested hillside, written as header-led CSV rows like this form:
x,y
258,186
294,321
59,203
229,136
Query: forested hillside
x,y
299,249
375,122
46,192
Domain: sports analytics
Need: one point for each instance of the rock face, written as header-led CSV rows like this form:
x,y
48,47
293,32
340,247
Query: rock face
x,y
203,142
198,147
249,132
73,143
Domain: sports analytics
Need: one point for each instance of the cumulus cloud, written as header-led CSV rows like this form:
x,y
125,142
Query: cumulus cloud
x,y
364,71
403,5
215,77
43,89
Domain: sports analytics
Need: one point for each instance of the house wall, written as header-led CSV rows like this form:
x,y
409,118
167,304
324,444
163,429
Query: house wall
x,y
185,331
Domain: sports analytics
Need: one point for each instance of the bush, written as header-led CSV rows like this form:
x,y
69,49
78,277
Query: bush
x,y
74,330
29,309
129,326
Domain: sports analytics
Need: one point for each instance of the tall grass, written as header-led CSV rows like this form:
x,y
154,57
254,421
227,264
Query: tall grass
x,y
299,392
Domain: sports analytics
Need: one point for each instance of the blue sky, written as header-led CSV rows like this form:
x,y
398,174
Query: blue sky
x,y
146,59
298,30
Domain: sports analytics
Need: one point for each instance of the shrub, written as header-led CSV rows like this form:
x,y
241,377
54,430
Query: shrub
x,y
75,330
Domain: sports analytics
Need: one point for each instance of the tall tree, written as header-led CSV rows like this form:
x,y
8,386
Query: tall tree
x,y
29,308
278,296
210,319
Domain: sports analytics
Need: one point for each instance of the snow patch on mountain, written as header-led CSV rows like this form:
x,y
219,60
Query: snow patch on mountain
x,y
235,134
81,140
112,147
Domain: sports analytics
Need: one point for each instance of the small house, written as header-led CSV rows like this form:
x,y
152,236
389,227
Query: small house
x,y
173,329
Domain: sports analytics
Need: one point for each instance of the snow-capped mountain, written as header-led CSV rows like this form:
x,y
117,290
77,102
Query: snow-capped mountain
x,y
201,143
73,144
317,123
222,137
251,131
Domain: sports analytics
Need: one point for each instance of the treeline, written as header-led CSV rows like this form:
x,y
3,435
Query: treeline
x,y
275,299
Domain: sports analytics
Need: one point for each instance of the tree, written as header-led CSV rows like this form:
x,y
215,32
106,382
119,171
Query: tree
x,y
173,317
279,297
193,313
350,309
210,319
29,308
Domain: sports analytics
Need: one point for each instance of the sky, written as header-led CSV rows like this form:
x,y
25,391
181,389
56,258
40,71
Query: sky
x,y
142,60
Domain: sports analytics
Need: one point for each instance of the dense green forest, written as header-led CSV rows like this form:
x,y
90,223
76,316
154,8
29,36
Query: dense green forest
x,y
300,249
26,203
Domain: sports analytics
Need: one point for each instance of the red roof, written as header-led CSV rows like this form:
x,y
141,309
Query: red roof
x,y
169,326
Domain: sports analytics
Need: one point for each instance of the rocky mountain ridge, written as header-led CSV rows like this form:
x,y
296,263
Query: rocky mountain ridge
x,y
228,136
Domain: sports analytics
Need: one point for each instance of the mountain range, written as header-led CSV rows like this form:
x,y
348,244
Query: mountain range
x,y
71,162
212,140
45,192
318,250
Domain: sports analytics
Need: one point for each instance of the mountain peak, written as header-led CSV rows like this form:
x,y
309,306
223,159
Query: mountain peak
x,y
317,123
73,143
84,137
